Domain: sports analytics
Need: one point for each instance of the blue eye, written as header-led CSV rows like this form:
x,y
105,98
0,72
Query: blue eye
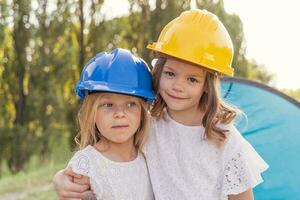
x,y
131,104
107,105
168,73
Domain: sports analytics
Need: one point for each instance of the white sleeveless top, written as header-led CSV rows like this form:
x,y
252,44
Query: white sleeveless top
x,y
183,165
112,180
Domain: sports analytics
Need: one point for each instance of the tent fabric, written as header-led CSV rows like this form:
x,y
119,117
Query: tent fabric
x,y
271,123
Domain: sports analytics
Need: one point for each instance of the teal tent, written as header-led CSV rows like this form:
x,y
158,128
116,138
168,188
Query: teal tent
x,y
272,126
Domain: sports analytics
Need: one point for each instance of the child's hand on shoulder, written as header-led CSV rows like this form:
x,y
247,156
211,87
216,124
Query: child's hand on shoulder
x,y
81,180
65,186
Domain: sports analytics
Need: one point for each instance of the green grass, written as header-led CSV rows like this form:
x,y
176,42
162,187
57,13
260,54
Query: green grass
x,y
45,195
36,184
35,181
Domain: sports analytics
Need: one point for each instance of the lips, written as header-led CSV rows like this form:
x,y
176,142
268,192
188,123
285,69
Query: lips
x,y
175,97
120,126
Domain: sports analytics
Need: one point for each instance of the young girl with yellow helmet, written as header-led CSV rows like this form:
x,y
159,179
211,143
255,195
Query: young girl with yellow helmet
x,y
194,150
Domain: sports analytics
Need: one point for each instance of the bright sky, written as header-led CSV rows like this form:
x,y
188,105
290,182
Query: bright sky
x,y
272,33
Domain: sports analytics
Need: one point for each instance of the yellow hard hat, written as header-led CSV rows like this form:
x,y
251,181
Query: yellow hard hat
x,y
199,37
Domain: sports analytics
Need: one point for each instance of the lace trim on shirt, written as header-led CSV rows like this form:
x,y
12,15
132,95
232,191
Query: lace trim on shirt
x,y
80,164
239,175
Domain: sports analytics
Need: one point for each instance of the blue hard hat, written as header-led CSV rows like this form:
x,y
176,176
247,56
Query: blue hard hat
x,y
117,71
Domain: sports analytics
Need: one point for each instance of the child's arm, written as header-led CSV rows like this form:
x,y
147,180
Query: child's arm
x,y
69,185
247,195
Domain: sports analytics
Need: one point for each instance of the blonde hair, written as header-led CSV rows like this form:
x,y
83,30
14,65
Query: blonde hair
x,y
88,133
215,109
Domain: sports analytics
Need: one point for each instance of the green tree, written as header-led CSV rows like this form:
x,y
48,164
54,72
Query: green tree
x,y
19,84
43,50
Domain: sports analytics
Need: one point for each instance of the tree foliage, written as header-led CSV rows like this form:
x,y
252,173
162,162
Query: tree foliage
x,y
43,47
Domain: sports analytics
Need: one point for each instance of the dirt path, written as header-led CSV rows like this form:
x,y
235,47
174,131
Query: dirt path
x,y
23,194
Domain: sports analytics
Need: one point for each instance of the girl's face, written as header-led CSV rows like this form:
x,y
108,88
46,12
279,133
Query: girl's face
x,y
118,117
181,85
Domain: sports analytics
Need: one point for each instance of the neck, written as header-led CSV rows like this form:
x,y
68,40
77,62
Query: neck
x,y
119,152
187,117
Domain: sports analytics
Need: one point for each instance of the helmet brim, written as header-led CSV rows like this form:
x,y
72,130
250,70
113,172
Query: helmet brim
x,y
88,87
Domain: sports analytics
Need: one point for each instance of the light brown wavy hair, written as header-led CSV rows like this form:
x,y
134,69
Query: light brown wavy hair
x,y
216,111
89,134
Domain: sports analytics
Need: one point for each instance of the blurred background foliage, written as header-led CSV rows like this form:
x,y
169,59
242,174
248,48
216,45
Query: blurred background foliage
x,y
43,47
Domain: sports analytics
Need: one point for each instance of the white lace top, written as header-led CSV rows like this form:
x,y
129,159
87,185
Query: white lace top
x,y
112,180
183,165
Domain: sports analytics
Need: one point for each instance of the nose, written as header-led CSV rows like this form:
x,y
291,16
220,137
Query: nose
x,y
119,112
178,85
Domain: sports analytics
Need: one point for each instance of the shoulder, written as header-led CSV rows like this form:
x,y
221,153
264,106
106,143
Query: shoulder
x,y
234,137
152,135
157,129
160,126
81,161
234,141
161,123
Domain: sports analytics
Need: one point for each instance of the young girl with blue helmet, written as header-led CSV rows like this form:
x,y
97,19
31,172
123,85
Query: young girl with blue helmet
x,y
114,125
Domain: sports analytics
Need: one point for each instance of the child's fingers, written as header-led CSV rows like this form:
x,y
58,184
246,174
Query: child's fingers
x,y
71,196
84,180
68,171
74,187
